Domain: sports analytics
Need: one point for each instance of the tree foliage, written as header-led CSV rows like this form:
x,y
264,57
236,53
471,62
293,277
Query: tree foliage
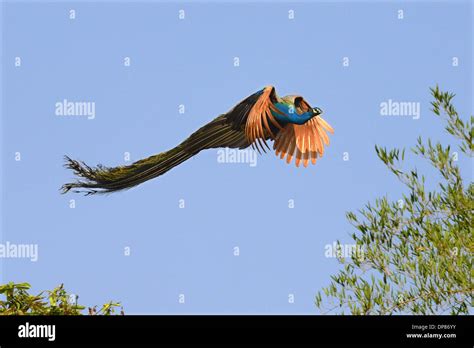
x,y
17,301
417,252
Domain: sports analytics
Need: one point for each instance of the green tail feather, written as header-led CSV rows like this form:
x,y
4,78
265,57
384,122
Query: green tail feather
x,y
100,179
103,179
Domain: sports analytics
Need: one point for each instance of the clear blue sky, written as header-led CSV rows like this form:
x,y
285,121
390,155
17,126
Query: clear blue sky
x,y
190,251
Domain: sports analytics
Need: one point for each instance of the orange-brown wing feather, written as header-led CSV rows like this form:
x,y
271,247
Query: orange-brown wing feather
x,y
257,128
304,142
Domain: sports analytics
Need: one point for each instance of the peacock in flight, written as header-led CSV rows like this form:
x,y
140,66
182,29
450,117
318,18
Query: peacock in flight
x,y
297,129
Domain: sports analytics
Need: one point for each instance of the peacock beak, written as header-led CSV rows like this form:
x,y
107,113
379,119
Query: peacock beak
x,y
317,111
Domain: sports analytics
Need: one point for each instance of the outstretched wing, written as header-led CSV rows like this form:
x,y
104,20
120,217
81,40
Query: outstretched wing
x,y
304,142
253,116
257,127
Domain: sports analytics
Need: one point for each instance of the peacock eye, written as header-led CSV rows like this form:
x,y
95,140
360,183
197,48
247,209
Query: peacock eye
x,y
317,111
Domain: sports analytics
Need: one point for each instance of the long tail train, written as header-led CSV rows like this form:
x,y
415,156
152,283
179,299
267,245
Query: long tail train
x,y
101,179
